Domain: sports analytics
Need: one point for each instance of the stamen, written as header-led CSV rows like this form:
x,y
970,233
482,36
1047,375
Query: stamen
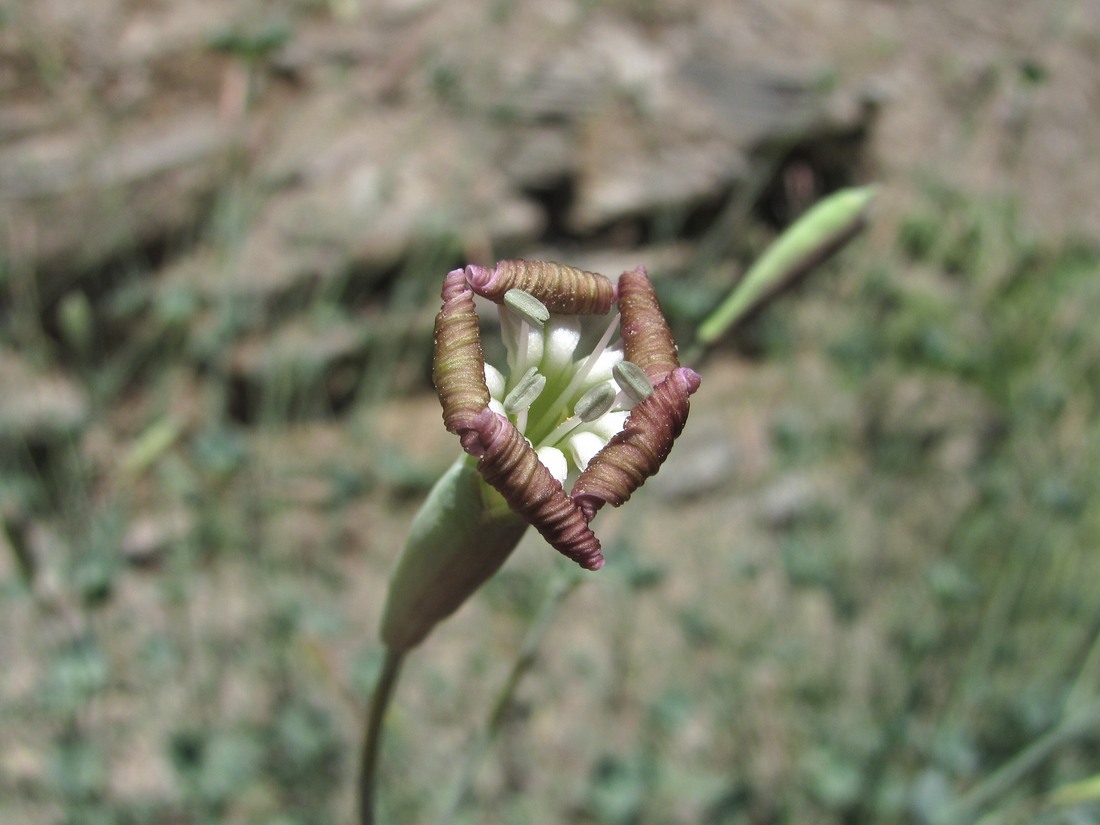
x,y
521,345
579,376
633,380
595,402
525,392
532,313
527,306
561,431
518,402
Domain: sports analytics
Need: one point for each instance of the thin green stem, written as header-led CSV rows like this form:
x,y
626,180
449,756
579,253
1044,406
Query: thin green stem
x,y
372,734
1008,775
562,585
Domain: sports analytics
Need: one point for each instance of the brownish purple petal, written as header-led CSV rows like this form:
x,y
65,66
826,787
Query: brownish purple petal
x,y
458,365
509,464
638,450
647,340
561,288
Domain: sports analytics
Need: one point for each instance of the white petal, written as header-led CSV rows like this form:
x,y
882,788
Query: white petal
x,y
533,355
583,445
554,460
497,407
494,378
601,370
510,327
562,334
608,425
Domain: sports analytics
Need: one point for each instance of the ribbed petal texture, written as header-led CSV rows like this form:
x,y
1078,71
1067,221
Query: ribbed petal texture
x,y
563,289
509,464
647,340
458,366
639,449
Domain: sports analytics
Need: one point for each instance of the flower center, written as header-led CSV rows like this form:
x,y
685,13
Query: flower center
x,y
567,396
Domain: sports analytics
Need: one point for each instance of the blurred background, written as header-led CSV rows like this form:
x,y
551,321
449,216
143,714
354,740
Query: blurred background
x,y
864,589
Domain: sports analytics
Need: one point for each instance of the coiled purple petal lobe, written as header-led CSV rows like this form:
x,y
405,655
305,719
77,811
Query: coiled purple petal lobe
x,y
647,340
563,289
458,365
509,464
638,451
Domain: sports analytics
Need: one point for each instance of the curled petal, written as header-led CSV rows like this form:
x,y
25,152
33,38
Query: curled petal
x,y
458,367
454,285
647,340
563,289
639,449
509,464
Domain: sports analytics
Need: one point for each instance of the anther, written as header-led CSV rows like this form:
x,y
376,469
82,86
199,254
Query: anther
x,y
524,393
527,307
595,402
633,380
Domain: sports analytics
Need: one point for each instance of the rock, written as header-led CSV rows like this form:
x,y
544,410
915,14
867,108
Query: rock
x,y
629,167
710,122
309,367
298,348
78,199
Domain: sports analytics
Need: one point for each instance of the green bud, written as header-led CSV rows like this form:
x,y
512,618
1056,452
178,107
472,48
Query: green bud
x,y
821,231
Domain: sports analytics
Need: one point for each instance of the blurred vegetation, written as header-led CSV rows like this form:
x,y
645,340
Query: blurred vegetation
x,y
213,671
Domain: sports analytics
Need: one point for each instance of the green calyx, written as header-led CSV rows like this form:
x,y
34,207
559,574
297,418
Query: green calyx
x,y
456,542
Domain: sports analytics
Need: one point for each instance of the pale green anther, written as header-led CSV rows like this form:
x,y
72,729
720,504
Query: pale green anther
x,y
527,307
594,403
633,380
525,392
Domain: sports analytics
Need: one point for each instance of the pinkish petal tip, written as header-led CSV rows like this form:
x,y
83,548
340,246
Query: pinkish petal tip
x,y
481,278
689,378
454,285
482,431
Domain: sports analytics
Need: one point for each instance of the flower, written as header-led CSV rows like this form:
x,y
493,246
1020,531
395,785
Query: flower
x,y
572,405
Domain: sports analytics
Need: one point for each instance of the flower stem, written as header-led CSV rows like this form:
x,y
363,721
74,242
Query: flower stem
x,y
562,585
372,734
